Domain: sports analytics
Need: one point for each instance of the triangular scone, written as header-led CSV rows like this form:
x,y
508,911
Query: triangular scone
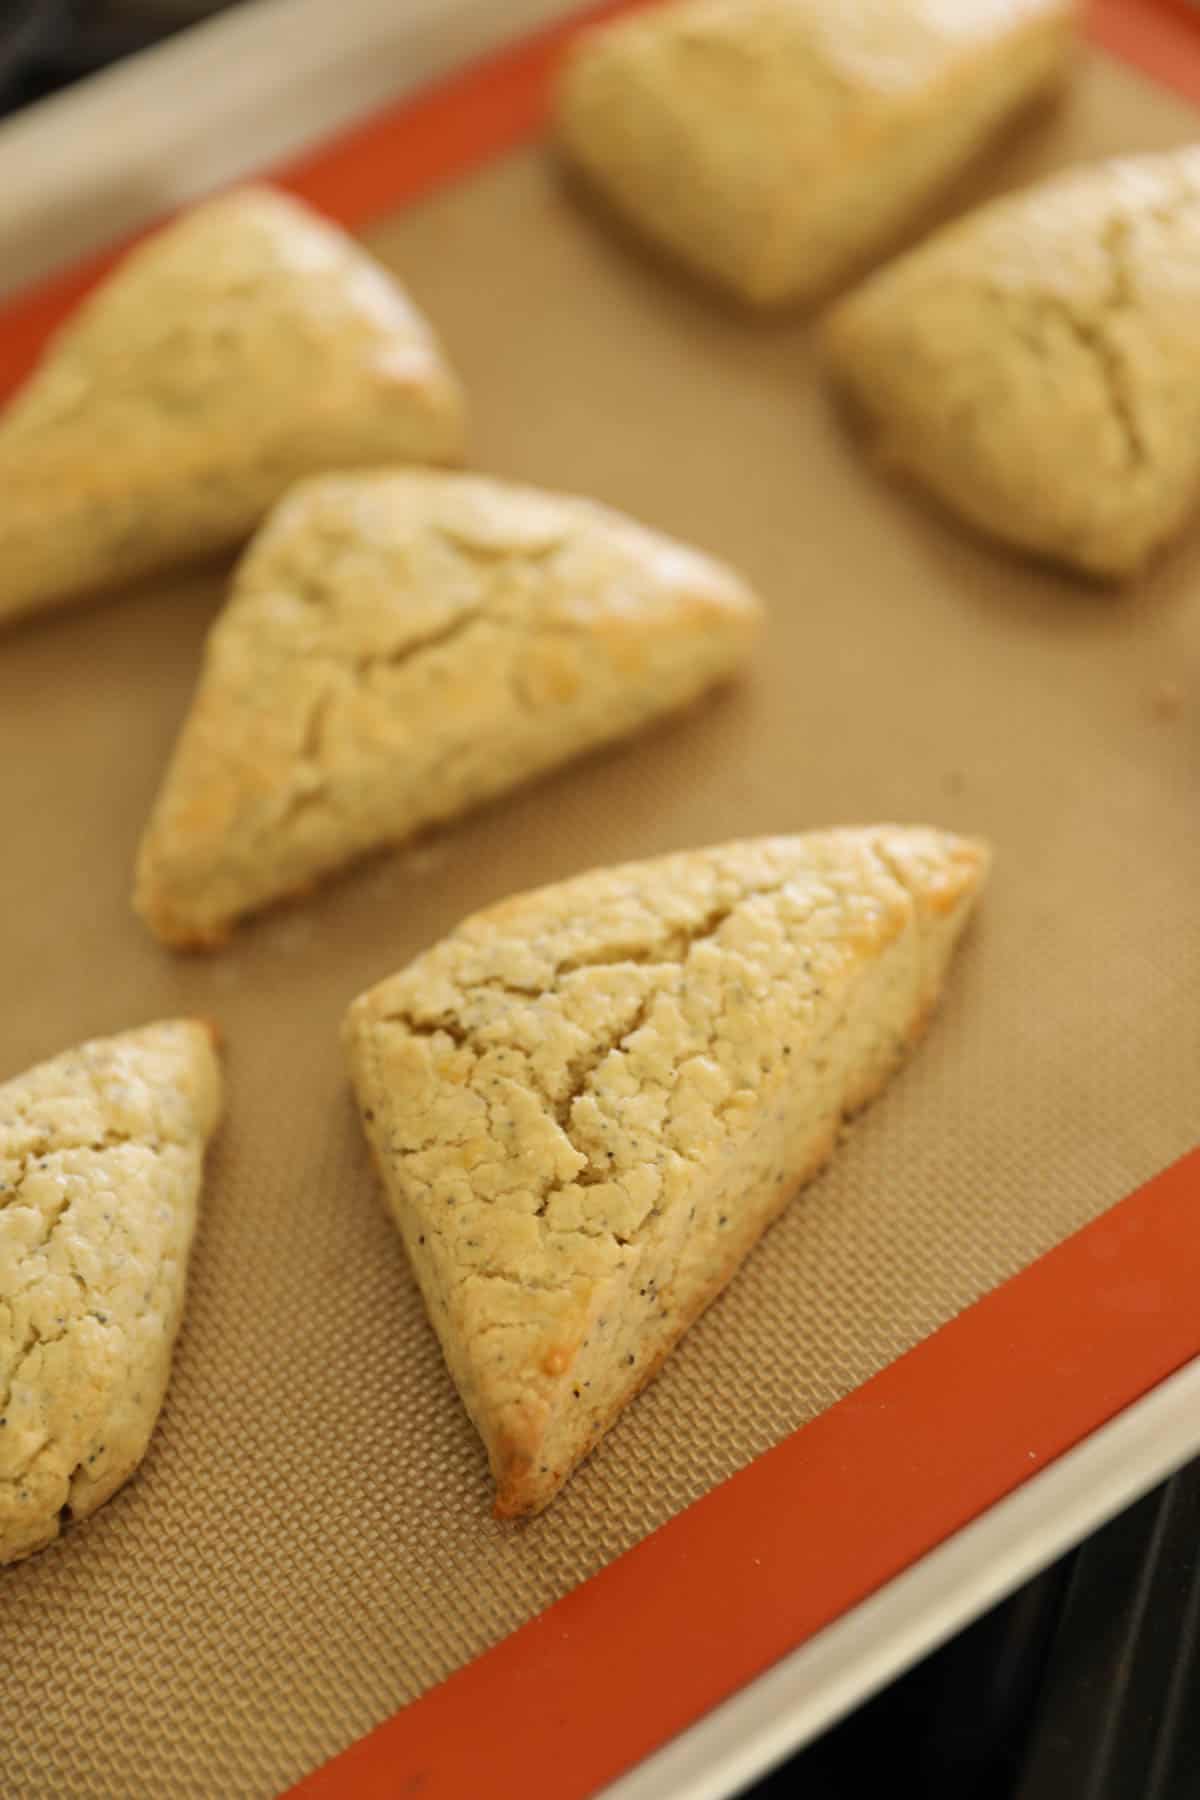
x,y
246,344
588,1103
1037,364
401,646
101,1154
776,145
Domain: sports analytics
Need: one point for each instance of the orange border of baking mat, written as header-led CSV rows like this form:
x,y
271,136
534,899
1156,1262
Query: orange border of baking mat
x,y
726,1588
659,1637
1159,37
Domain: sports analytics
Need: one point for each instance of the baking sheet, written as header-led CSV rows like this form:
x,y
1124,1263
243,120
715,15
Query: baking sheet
x,y
308,1544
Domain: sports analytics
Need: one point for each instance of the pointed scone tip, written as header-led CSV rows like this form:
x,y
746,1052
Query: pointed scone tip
x,y
400,647
101,1157
1034,366
777,146
588,1102
245,344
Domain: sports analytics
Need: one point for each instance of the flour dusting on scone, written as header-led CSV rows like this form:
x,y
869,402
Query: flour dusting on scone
x,y
589,1102
101,1158
776,145
402,646
1037,367
248,343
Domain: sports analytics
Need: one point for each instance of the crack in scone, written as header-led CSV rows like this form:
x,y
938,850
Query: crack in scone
x,y
1035,363
1091,329
655,957
588,1102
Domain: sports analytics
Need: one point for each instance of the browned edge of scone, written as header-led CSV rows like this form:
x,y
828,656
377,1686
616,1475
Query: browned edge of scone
x,y
868,435
187,938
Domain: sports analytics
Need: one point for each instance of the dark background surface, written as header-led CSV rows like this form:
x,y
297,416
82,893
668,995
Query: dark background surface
x,y
45,44
1085,1684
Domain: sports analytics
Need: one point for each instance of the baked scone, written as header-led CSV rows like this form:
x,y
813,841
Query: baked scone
x,y
776,145
1037,366
246,344
101,1155
589,1102
400,646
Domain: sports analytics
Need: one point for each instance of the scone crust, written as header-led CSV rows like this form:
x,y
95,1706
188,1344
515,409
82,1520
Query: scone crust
x,y
1035,366
588,1103
776,145
101,1154
400,646
244,345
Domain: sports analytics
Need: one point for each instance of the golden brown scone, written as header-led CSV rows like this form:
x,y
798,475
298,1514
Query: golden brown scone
x,y
101,1156
246,344
776,145
589,1102
1037,365
401,646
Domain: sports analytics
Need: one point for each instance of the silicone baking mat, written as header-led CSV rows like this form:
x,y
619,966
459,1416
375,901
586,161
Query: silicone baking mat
x,y
308,1546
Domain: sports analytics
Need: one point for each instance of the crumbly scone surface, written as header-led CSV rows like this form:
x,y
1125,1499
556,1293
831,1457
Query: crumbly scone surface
x,y
101,1154
560,1093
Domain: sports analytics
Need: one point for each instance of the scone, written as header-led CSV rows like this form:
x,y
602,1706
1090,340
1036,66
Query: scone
x,y
777,145
1037,367
246,344
101,1156
401,646
589,1102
